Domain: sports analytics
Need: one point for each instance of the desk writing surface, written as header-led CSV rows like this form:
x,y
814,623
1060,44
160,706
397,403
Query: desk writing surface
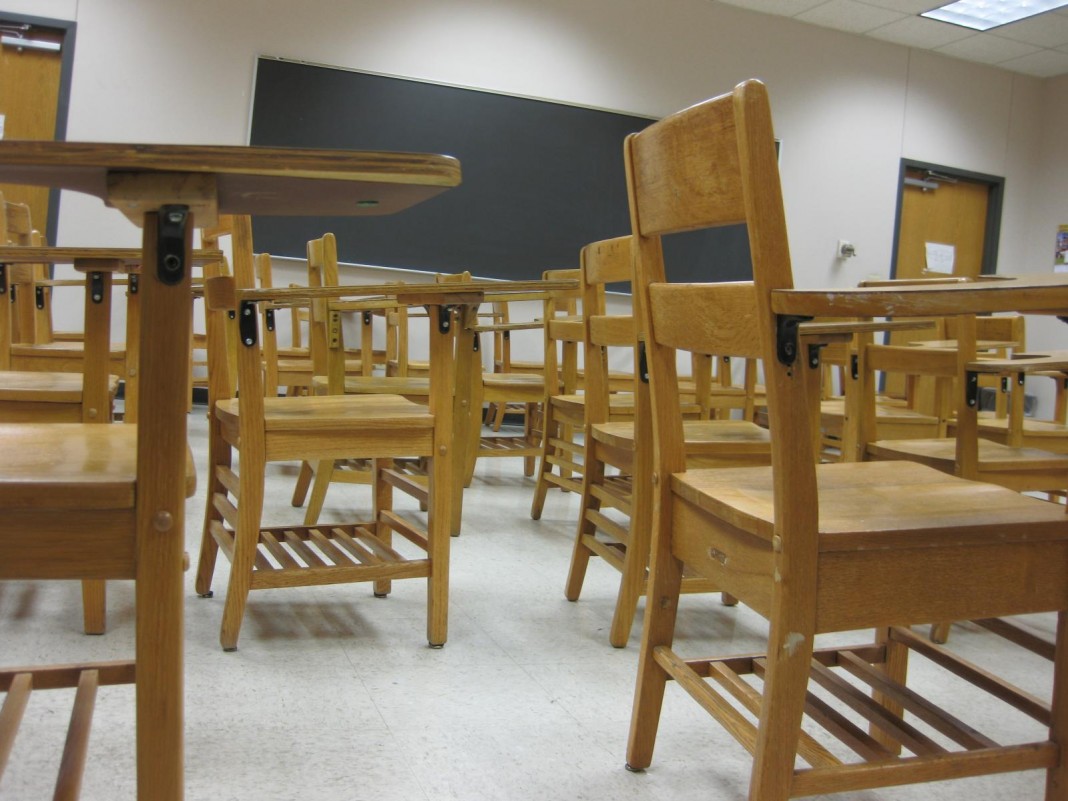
x,y
247,180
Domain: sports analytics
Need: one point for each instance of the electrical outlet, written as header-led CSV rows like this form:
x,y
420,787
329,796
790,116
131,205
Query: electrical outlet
x,y
845,250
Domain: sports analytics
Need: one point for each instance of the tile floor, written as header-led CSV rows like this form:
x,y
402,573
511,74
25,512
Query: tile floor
x,y
334,694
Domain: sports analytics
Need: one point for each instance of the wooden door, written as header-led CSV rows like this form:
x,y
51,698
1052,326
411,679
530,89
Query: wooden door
x,y
944,212
29,101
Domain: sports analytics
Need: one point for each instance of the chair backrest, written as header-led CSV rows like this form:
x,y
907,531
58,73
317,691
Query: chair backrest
x,y
711,165
563,332
604,262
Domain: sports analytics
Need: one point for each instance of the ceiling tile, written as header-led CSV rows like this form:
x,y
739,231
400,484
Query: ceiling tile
x,y
904,6
1045,30
1043,64
920,32
785,8
987,48
849,15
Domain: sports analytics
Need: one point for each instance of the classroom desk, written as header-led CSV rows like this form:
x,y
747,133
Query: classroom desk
x,y
454,302
1045,293
167,189
99,265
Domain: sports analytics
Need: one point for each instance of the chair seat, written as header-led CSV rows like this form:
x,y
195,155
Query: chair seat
x,y
72,466
304,366
510,381
63,348
905,505
45,387
406,386
703,437
941,454
621,403
331,411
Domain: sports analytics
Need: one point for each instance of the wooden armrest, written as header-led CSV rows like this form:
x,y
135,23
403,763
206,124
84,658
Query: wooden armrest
x,y
1037,294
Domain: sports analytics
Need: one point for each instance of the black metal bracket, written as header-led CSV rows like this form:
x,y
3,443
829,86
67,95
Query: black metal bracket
x,y
814,354
246,323
3,279
786,333
1020,377
507,336
445,320
854,366
268,319
96,287
971,388
643,364
39,297
367,318
134,283
171,262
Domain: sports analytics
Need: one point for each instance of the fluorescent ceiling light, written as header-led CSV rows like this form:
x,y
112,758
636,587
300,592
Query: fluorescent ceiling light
x,y
982,15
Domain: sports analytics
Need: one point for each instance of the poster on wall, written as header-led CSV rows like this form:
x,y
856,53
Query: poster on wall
x,y
1060,254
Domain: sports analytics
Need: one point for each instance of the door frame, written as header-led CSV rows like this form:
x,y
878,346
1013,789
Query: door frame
x,y
992,234
66,72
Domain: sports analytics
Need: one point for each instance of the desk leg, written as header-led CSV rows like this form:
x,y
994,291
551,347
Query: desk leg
x,y
161,450
468,365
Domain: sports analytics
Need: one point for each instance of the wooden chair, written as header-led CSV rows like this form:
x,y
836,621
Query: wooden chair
x,y
615,440
262,429
86,501
560,463
812,546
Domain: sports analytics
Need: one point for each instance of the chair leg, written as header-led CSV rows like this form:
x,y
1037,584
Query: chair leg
x,y
94,606
1057,777
896,669
324,472
940,632
541,486
300,489
246,540
790,643
531,436
220,456
658,631
580,553
438,545
382,501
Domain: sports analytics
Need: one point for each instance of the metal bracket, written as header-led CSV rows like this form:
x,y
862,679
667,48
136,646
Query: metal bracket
x,y
445,320
134,283
268,319
246,323
507,336
643,364
39,297
170,246
854,366
1020,379
96,287
814,354
367,318
786,326
971,388
3,279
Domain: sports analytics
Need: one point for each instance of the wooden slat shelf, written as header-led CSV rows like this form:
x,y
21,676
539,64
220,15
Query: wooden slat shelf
x,y
330,553
845,711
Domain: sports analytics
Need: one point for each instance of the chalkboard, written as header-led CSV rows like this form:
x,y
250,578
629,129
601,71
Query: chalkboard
x,y
540,179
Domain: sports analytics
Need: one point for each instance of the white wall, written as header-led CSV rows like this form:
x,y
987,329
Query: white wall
x,y
846,108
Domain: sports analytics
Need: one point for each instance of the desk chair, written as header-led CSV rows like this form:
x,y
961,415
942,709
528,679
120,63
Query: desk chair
x,y
259,429
811,546
88,501
618,440
560,463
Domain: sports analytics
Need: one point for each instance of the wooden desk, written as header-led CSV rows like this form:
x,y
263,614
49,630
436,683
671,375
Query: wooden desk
x,y
168,190
457,302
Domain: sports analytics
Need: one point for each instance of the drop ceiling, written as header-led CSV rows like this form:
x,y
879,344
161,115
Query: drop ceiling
x,y
1035,46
